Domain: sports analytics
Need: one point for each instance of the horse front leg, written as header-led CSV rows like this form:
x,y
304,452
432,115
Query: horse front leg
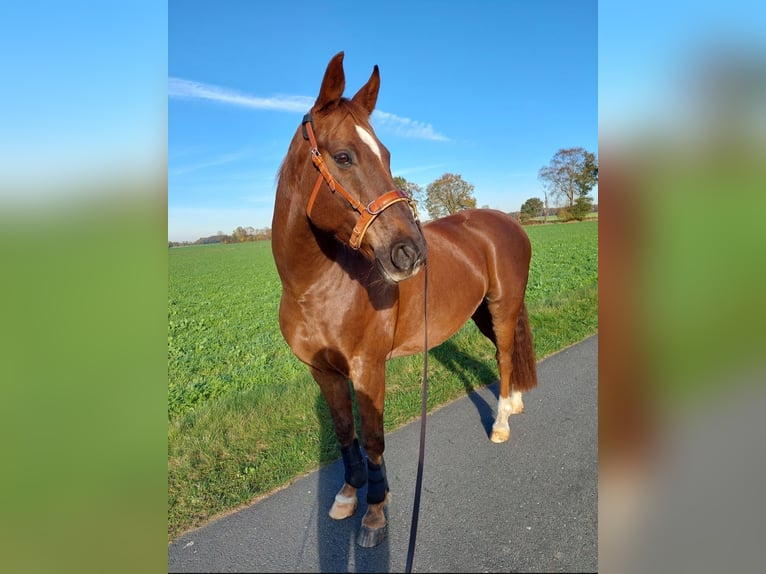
x,y
370,399
337,394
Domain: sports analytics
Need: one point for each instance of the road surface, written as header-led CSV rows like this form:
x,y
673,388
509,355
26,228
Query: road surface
x,y
529,505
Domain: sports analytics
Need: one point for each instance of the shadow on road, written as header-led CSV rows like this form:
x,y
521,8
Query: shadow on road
x,y
461,363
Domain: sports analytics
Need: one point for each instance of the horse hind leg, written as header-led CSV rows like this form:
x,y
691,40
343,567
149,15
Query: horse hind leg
x,y
518,373
506,406
515,360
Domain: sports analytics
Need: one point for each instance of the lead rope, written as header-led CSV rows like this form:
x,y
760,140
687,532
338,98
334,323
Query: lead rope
x,y
423,412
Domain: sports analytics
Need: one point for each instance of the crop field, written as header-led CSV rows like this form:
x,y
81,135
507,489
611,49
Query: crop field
x,y
245,416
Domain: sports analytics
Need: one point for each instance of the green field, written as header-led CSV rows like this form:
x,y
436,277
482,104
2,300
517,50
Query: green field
x,y
245,416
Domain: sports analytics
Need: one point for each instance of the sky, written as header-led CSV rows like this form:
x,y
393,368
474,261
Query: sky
x,y
489,90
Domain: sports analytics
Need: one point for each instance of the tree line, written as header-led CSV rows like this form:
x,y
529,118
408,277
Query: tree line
x,y
239,235
566,185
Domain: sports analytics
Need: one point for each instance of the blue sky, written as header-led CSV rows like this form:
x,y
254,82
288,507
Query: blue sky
x,y
487,89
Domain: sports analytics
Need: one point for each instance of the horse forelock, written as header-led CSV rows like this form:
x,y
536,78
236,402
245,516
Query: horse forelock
x,y
334,112
344,108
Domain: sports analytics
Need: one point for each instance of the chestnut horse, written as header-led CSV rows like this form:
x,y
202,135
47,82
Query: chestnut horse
x,y
349,251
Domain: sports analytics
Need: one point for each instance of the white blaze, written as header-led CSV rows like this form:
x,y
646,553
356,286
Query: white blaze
x,y
368,138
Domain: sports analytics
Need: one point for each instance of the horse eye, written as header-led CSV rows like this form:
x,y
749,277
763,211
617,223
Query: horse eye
x,y
342,158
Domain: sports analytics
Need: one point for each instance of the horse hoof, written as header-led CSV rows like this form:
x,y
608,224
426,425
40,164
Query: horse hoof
x,y
342,507
369,538
500,435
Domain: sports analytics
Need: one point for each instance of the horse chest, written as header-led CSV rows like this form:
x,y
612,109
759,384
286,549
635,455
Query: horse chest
x,y
311,324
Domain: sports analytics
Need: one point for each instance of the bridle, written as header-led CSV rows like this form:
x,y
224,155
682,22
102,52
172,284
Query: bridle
x,y
368,213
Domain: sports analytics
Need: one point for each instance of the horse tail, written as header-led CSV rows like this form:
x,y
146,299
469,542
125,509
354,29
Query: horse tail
x,y
524,373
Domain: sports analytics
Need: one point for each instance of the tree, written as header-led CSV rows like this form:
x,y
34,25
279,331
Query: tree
x,y
449,194
239,234
581,208
531,208
572,173
415,191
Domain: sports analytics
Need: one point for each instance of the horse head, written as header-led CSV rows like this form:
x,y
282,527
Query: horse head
x,y
354,197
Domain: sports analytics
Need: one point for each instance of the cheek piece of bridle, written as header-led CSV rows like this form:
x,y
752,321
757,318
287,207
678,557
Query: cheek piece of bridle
x,y
367,214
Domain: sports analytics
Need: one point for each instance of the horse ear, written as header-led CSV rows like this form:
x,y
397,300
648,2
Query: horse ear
x,y
368,94
333,83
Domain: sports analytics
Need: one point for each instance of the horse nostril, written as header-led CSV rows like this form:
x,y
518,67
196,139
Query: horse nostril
x,y
404,256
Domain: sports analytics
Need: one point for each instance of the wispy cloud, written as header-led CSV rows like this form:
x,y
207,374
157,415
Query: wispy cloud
x,y
406,127
188,89
221,160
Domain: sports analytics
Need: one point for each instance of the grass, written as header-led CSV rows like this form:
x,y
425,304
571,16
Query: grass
x,y
245,417
223,335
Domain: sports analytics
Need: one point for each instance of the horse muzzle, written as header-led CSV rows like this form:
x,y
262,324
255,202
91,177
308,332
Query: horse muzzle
x,y
403,260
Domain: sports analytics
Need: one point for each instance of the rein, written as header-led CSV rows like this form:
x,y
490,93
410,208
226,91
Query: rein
x,y
423,413
367,214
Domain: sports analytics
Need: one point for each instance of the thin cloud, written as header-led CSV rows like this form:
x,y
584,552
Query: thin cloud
x,y
187,89
406,127
221,160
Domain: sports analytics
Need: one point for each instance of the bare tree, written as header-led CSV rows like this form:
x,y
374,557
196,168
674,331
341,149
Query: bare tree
x,y
572,173
415,191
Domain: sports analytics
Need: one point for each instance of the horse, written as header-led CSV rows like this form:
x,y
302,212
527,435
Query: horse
x,y
352,257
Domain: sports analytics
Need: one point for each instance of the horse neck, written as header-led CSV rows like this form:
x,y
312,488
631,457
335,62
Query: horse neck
x,y
299,252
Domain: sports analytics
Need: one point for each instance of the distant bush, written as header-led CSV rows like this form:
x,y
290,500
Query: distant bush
x,y
565,215
581,208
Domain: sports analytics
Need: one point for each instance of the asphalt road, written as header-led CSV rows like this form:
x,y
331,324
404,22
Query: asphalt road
x,y
529,505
